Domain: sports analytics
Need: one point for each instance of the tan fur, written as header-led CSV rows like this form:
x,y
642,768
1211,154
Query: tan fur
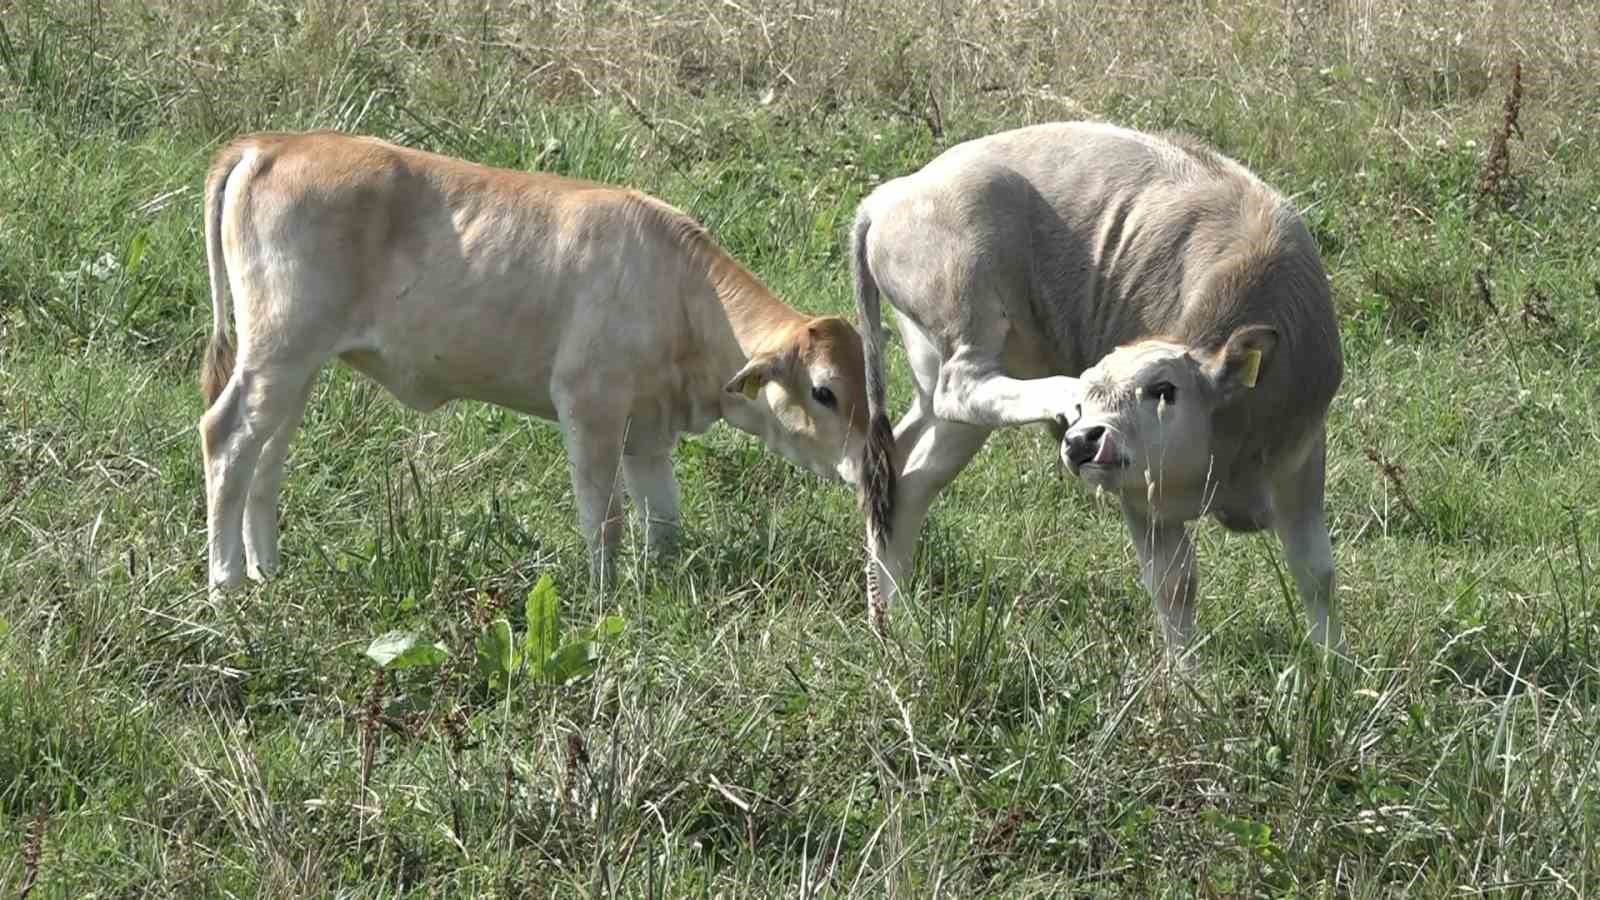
x,y
218,365
599,307
217,368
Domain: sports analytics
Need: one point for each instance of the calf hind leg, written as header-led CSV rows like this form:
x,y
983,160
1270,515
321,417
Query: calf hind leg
x,y
957,409
971,386
930,453
253,406
261,503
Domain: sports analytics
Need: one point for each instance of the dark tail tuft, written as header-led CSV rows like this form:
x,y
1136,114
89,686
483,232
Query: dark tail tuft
x,y
877,463
218,367
877,477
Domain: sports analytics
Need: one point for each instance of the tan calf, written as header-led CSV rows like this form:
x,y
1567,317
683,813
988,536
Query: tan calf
x,y
601,308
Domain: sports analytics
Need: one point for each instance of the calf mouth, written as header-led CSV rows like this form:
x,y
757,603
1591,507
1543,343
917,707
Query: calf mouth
x,y
1097,454
1090,470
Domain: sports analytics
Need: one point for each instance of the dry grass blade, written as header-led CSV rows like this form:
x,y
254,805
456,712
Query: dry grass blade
x,y
239,795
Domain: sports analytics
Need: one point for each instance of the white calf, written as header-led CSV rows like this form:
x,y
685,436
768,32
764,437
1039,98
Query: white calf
x,y
1190,291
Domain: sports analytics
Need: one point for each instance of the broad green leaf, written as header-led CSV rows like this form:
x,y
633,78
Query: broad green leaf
x,y
1419,719
497,656
403,650
575,659
544,620
5,627
609,627
136,248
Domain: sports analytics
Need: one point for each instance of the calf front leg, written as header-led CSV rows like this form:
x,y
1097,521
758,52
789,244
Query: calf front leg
x,y
974,391
594,457
1167,568
1300,523
1309,553
654,490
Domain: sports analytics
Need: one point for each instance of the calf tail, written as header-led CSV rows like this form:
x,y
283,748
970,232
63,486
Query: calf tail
x,y
218,365
877,463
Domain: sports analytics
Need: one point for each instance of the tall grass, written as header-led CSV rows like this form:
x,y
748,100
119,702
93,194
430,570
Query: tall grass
x,y
746,736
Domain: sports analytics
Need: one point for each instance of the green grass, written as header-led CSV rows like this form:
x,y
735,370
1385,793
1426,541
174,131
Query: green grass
x,y
745,735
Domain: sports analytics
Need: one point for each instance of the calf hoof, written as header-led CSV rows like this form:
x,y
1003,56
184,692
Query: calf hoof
x,y
603,575
663,548
1181,660
226,582
221,586
1319,638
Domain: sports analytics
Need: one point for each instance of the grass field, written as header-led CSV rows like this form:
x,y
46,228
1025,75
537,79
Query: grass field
x,y
744,734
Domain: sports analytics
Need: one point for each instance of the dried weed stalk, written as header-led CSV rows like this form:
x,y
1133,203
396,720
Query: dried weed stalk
x,y
1536,309
1396,475
456,728
1480,280
1494,180
371,715
32,850
577,762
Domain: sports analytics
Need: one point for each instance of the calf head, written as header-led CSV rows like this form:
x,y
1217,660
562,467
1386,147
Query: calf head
x,y
1149,413
804,395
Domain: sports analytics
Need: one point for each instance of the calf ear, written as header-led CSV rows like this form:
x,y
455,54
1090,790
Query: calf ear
x,y
1238,364
749,381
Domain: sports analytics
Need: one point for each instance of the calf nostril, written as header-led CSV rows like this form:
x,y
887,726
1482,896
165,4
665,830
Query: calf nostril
x,y
1083,445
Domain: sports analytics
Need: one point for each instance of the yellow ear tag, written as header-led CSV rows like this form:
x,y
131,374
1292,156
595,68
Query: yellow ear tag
x,y
1252,367
752,387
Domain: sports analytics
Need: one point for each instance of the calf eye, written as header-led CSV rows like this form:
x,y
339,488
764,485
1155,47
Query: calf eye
x,y
824,395
1162,391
